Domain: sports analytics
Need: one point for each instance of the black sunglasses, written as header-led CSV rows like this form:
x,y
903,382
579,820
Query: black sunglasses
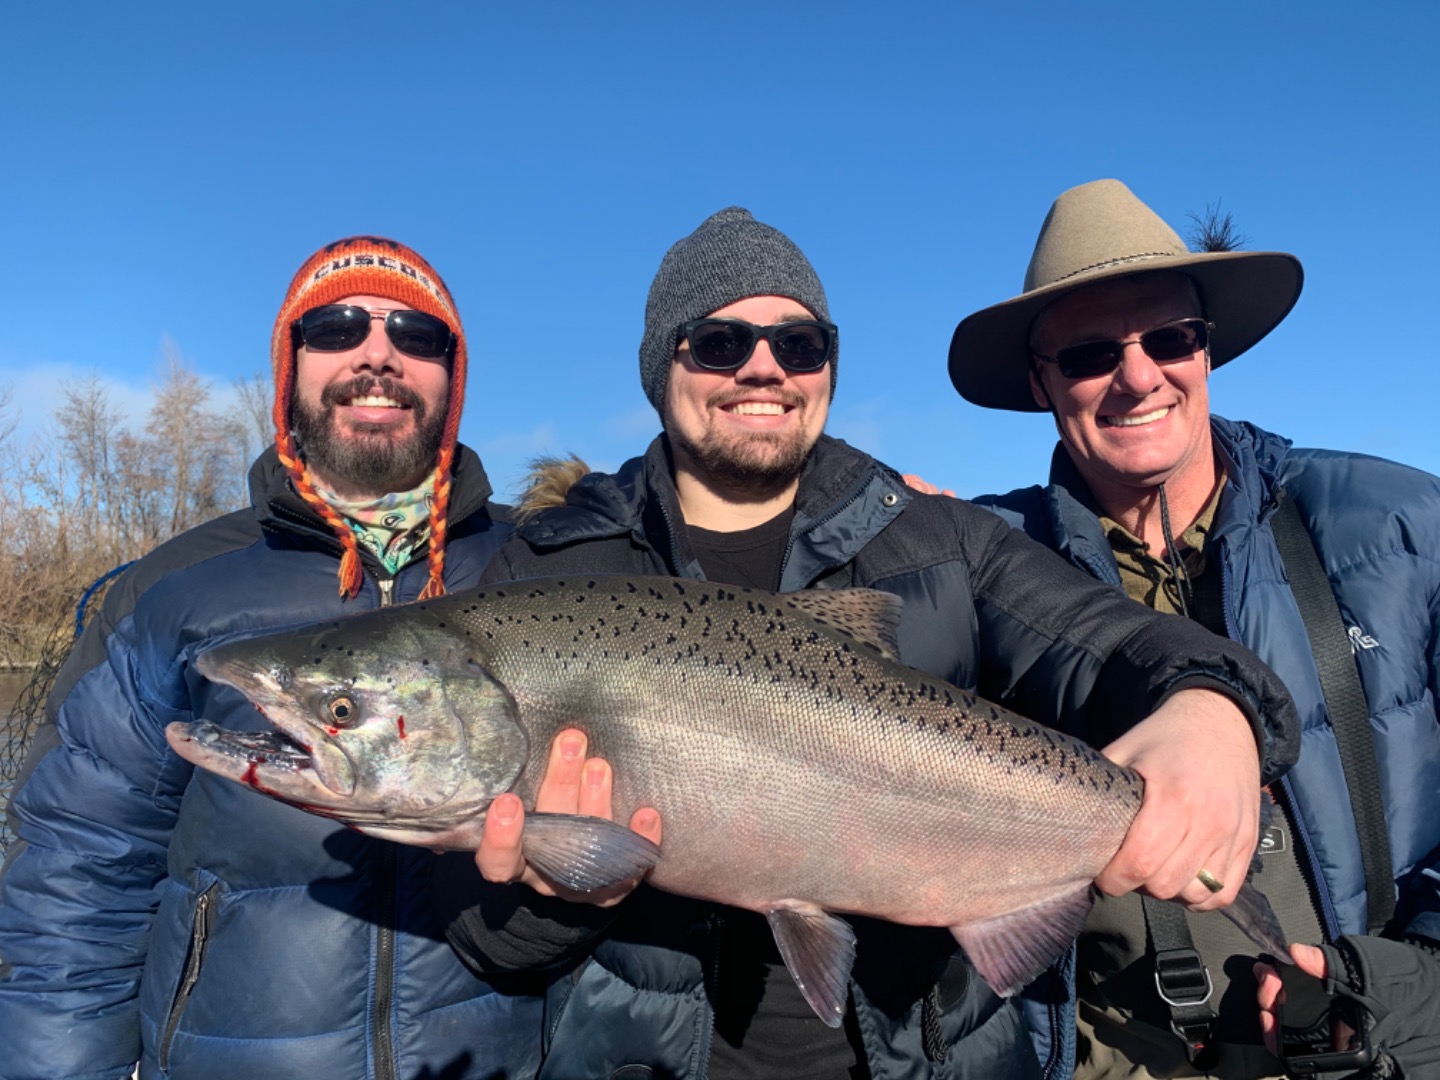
x,y
799,346
337,327
1177,340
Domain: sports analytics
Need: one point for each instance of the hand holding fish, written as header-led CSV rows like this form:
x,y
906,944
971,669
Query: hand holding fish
x,y
1201,808
573,784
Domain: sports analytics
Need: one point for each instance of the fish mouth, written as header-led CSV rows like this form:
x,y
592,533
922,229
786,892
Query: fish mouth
x,y
269,748
266,687
268,762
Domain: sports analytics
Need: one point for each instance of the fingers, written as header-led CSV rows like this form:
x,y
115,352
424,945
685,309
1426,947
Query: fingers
x,y
646,822
919,484
499,857
572,784
560,791
1269,996
1201,807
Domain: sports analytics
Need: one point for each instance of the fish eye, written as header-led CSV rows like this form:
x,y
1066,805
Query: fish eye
x,y
342,709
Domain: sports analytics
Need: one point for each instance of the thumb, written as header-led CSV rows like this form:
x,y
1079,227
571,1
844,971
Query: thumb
x,y
1309,959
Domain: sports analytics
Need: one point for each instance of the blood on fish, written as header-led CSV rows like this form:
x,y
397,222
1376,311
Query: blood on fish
x,y
333,730
400,724
250,776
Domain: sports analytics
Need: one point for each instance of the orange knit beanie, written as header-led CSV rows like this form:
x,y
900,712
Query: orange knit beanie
x,y
367,266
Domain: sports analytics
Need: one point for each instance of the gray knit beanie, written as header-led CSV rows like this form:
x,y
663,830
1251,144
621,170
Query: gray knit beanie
x,y
730,257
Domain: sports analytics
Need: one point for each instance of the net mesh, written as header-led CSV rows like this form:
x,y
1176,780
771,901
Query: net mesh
x,y
28,710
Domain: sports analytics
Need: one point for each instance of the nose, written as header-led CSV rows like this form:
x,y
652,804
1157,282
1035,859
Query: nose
x,y
761,367
377,353
1137,374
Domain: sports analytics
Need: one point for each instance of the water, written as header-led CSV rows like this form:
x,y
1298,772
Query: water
x,y
11,683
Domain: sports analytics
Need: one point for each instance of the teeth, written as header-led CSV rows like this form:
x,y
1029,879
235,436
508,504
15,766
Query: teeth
x,y
1137,421
375,401
759,408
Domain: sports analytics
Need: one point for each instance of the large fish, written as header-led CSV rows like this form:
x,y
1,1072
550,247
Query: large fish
x,y
799,768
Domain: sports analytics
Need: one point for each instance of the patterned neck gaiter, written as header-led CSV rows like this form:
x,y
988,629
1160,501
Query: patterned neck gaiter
x,y
393,527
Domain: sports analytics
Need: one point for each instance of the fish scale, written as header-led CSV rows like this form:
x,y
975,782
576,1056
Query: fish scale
x,y
799,768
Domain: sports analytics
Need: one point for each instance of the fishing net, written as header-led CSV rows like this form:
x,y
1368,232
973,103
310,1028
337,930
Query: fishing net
x,y
29,709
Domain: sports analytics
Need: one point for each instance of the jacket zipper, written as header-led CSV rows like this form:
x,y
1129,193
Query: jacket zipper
x,y
385,883
199,936
716,933
384,961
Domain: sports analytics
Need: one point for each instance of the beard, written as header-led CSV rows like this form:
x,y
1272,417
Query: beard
x,y
369,456
758,464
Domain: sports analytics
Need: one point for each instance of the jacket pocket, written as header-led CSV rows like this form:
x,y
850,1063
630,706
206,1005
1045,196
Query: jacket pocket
x,y
195,956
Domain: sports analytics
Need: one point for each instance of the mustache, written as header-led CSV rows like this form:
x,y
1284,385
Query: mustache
x,y
783,394
363,385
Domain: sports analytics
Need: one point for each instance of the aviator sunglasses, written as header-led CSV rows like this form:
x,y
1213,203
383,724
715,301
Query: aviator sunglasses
x,y
799,346
338,327
1177,340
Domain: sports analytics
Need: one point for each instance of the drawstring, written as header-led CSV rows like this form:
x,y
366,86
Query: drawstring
x,y
1177,565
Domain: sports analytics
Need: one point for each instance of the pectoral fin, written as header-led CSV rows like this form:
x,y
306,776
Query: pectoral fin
x,y
819,950
1011,949
1252,913
586,853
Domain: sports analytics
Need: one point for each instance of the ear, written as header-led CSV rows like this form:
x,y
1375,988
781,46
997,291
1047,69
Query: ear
x,y
1038,391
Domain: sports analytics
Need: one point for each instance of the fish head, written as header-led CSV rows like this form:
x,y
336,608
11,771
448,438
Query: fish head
x,y
381,722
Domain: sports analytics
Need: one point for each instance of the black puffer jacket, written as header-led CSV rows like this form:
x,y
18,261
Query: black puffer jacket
x,y
985,608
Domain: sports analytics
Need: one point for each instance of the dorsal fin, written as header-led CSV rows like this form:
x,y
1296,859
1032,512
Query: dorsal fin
x,y
869,616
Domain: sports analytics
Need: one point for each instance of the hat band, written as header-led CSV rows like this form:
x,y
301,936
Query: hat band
x,y
1142,257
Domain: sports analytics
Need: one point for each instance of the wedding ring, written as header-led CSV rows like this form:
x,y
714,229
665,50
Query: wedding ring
x,y
1210,881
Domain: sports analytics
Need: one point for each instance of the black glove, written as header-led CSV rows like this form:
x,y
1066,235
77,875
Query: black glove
x,y
1398,984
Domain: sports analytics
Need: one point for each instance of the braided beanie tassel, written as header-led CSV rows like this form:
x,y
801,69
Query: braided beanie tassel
x,y
439,510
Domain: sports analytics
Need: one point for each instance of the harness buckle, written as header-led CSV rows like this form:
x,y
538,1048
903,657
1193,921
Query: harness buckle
x,y
1181,978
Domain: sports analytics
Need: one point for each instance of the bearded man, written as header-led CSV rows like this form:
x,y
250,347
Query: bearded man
x,y
154,913
739,357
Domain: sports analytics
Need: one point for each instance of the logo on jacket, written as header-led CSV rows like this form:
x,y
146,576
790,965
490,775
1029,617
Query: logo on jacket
x,y
1361,640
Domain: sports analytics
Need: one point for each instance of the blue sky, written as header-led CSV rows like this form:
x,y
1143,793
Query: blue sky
x,y
164,168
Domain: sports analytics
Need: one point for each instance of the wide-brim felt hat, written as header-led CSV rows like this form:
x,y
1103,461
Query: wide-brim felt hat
x,y
1096,232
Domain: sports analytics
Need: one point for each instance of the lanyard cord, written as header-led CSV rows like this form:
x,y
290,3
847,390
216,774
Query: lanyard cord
x,y
1177,565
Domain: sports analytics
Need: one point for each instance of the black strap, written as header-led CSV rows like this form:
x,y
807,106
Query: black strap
x,y
1344,701
1181,979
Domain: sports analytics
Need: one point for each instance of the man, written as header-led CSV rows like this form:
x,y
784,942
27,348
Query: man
x,y
739,357
1115,336
155,913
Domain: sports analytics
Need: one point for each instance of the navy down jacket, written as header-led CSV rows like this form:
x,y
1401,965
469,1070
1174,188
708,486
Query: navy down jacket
x,y
156,913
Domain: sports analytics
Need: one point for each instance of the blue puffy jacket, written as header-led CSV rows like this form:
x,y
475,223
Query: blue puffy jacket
x,y
1376,525
156,913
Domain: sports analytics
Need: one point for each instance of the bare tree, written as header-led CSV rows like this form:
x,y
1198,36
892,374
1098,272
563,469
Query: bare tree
x,y
253,397
88,494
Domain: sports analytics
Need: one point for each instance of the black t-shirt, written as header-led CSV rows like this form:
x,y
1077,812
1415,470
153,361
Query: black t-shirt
x,y
764,1028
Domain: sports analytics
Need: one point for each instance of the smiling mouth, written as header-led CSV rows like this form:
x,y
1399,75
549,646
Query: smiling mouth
x,y
1138,420
756,408
373,401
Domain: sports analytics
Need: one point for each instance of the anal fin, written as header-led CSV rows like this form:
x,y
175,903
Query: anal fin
x,y
585,853
819,951
1011,949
